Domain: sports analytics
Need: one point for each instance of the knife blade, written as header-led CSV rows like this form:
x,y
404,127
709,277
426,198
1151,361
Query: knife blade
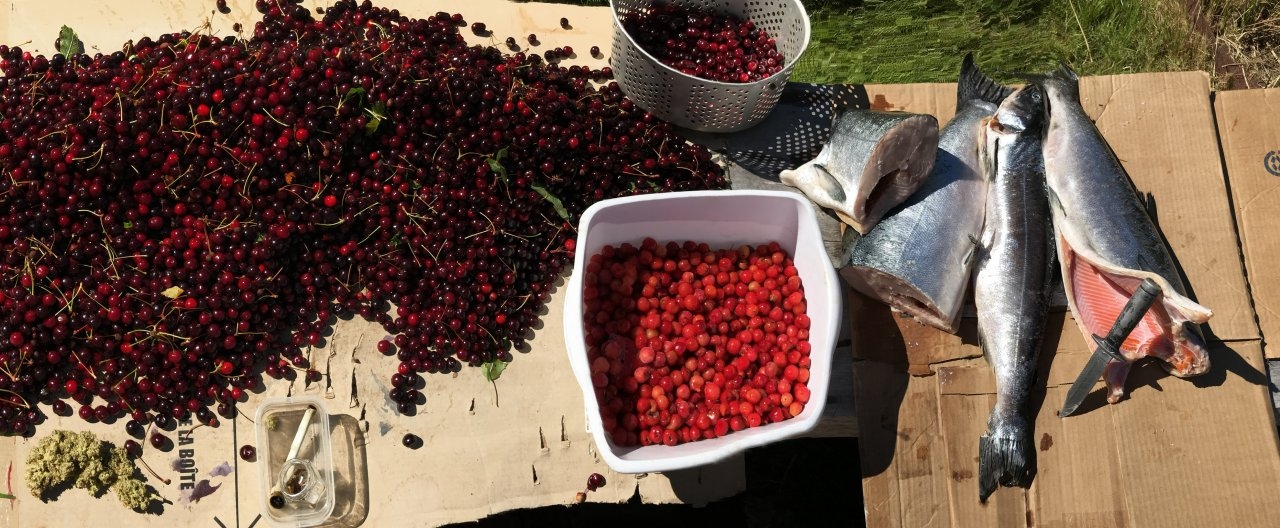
x,y
1108,348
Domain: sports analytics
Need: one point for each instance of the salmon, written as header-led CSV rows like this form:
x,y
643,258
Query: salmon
x,y
1013,278
1107,243
919,258
873,162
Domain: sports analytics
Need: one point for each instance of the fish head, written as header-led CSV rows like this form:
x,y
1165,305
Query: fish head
x,y
1023,111
1061,98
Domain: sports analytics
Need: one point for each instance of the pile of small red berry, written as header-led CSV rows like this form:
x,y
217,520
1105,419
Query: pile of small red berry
x,y
704,43
688,343
185,214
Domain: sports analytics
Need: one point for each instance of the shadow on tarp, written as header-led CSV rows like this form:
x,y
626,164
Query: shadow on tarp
x,y
793,133
704,484
881,379
350,473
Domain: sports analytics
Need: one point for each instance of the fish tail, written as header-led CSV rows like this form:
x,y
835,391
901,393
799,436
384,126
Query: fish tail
x,y
974,84
1006,457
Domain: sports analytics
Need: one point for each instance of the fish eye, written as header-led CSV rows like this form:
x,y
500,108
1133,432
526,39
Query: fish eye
x,y
1037,97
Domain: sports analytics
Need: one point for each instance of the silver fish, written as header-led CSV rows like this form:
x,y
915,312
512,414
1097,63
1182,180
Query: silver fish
x,y
918,258
873,162
1013,277
1107,244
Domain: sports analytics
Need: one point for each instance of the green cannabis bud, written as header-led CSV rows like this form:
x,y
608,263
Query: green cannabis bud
x,y
80,460
134,494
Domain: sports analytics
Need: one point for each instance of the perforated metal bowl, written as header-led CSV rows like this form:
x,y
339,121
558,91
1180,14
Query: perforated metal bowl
x,y
702,104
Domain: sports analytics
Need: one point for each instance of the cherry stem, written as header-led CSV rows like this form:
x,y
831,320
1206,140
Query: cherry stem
x,y
153,472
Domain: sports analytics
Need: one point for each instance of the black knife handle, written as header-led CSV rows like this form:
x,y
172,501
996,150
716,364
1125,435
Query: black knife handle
x,y
1133,312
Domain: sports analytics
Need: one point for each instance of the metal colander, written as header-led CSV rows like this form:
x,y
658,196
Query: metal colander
x,y
702,104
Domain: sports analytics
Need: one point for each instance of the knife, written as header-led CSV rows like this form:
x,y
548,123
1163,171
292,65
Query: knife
x,y
1109,347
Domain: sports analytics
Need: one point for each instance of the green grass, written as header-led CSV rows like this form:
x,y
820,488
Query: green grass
x,y
1250,32
901,41
905,41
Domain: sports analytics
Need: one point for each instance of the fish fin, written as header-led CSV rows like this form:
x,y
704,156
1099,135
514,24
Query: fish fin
x,y
848,240
1150,204
816,183
1065,72
827,182
1054,202
982,346
973,249
974,84
1006,457
1114,375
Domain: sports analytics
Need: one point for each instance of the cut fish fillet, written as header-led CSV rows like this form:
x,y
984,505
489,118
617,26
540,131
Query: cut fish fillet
x,y
1097,291
900,294
873,162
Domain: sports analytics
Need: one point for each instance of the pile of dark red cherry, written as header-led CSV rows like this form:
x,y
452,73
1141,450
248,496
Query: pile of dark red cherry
x,y
705,43
181,216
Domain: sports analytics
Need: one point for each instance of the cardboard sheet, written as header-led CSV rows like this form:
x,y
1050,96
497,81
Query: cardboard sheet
x,y
1175,452
1113,464
1251,150
1195,452
1109,465
521,442
904,460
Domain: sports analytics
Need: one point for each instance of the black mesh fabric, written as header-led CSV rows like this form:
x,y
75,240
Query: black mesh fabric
x,y
794,132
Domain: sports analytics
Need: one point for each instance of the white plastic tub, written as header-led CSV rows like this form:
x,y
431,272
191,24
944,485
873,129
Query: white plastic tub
x,y
722,219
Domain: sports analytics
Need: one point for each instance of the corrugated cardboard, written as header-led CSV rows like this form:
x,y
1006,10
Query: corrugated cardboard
x,y
901,449
1114,462
1174,452
1109,465
521,442
1251,150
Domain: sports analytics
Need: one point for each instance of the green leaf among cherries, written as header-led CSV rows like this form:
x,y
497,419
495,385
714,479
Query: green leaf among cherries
x,y
493,369
555,202
68,43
